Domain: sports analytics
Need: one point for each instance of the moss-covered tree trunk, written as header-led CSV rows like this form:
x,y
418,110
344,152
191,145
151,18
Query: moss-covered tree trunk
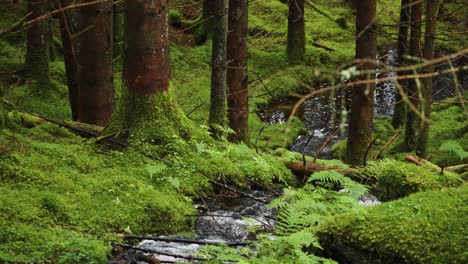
x,y
296,31
399,115
209,10
69,21
218,68
146,111
96,86
432,9
37,50
238,103
117,30
414,85
362,96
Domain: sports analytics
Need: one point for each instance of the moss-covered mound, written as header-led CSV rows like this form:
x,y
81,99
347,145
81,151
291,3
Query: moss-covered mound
x,y
396,179
427,227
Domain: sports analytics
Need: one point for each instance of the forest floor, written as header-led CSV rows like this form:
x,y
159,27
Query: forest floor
x,y
63,198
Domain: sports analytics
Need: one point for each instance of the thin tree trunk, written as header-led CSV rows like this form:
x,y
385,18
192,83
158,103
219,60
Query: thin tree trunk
x,y
362,96
432,9
96,87
399,115
117,30
296,32
37,51
218,68
209,10
69,22
238,103
414,85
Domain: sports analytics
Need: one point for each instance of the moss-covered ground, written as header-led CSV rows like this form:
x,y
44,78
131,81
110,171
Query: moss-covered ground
x,y
63,197
427,227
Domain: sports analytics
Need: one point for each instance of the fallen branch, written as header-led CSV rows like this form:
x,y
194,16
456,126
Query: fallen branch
x,y
237,191
183,240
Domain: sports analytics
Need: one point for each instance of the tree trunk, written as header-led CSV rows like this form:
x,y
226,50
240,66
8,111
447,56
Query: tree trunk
x,y
96,87
69,21
117,30
399,115
296,32
147,111
218,68
37,51
209,10
432,9
238,103
362,96
414,85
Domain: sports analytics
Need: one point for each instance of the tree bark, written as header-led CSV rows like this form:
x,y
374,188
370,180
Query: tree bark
x,y
238,103
399,115
414,85
117,28
147,111
432,9
37,50
69,22
96,87
362,96
296,31
218,68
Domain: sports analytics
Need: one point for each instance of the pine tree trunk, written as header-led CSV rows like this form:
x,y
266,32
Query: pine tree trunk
x,y
362,96
414,85
296,32
69,21
218,68
96,87
238,103
399,115
37,50
117,30
147,111
209,10
432,9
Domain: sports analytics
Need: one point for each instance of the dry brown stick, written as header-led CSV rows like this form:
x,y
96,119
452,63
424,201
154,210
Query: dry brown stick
x,y
237,191
326,143
390,141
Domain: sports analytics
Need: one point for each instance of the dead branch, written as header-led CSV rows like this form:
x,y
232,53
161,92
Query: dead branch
x,y
298,168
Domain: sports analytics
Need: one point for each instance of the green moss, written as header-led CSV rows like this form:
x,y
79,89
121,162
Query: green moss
x,y
395,179
428,227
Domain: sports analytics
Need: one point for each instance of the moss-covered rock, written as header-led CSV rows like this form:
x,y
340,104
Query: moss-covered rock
x,y
395,179
427,227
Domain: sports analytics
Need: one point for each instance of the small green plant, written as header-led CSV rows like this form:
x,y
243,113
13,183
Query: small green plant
x,y
454,147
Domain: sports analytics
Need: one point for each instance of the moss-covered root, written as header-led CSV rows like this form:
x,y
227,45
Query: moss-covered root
x,y
154,120
428,227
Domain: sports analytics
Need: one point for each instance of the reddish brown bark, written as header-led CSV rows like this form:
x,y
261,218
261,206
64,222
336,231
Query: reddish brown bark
x,y
413,89
362,96
96,87
146,61
238,103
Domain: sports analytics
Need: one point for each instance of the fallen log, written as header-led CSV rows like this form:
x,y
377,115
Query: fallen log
x,y
183,240
298,168
423,163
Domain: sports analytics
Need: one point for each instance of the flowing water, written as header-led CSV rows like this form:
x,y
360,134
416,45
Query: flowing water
x,y
226,219
323,114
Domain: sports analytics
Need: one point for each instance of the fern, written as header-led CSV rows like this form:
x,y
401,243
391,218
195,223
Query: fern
x,y
354,189
454,147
